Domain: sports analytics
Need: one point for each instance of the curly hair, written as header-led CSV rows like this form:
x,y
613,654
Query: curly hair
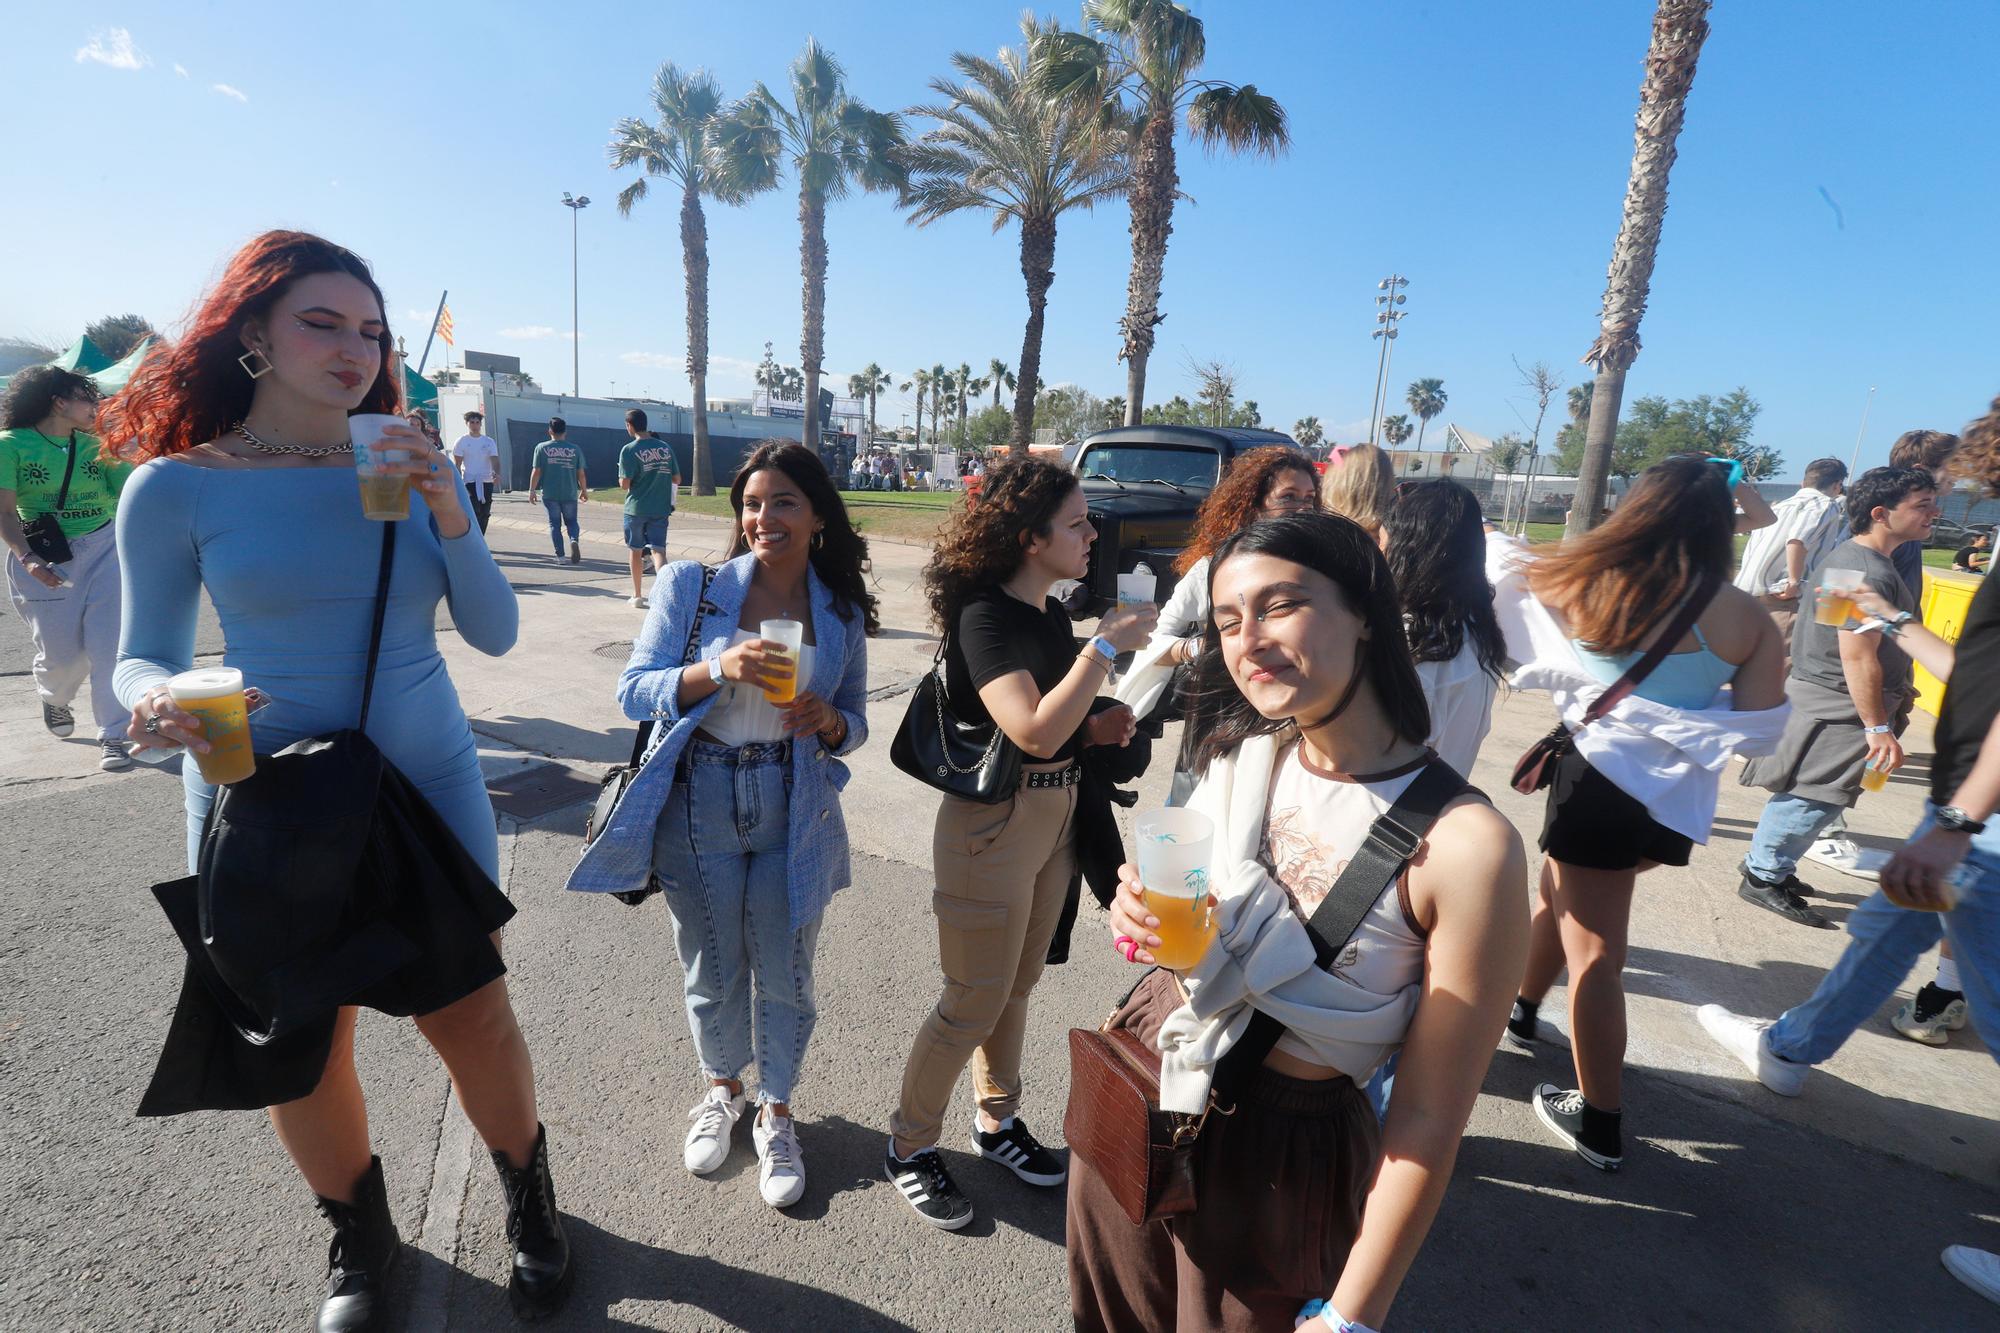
x,y
1233,504
980,546
191,391
841,551
32,394
1978,456
1361,487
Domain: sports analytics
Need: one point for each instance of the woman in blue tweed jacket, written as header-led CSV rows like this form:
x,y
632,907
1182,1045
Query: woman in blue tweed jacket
x,y
736,810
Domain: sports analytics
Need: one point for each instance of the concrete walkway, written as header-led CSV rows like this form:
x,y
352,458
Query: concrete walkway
x,y
1736,1208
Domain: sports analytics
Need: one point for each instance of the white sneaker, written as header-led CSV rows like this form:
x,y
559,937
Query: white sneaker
x,y
1978,1269
1919,1024
636,603
1843,855
781,1169
1747,1039
714,1117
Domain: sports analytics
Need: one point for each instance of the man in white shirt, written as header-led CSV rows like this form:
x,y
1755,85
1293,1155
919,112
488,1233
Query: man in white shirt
x,y
1809,525
478,460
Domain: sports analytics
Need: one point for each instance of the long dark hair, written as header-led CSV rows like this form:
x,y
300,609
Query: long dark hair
x,y
841,550
980,546
1437,553
1675,526
32,394
1339,548
192,390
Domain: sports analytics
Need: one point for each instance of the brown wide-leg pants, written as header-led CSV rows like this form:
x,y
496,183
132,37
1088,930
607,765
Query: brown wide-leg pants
x,y
1002,873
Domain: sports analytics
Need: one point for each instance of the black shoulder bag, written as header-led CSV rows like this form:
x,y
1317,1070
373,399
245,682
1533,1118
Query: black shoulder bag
x,y
1536,768
44,532
1145,1155
647,738
941,750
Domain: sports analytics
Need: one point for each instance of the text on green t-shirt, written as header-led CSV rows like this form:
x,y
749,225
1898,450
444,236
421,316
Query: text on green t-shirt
x,y
31,466
648,463
559,461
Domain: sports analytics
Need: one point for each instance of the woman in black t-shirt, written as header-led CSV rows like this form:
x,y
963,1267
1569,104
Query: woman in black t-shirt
x,y
1003,870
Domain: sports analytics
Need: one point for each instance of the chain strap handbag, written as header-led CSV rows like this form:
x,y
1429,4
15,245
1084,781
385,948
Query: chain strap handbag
x,y
649,736
1145,1155
973,761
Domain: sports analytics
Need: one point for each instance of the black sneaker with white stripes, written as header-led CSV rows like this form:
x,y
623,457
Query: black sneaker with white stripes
x,y
928,1188
1016,1149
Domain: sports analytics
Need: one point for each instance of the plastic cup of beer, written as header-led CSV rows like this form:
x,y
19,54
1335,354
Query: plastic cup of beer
x,y
1873,778
784,676
1135,589
1834,606
1174,847
383,498
215,695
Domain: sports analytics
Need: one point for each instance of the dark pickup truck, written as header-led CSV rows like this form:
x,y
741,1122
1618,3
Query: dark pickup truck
x,y
1144,484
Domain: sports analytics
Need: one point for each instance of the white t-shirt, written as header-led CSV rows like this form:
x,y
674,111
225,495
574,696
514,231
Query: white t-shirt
x,y
479,456
1460,695
742,715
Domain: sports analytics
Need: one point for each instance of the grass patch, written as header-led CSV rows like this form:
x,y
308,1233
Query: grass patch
x,y
907,515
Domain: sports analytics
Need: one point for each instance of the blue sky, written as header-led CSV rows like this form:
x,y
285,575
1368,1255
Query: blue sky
x,y
1479,149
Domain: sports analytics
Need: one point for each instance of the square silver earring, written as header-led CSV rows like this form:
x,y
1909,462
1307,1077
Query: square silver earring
x,y
254,372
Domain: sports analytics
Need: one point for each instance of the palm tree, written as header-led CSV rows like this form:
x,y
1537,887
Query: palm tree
x,y
1308,432
1579,403
868,383
834,142
1114,410
1003,147
673,150
1426,398
1145,57
999,375
1679,28
921,382
1395,430
973,389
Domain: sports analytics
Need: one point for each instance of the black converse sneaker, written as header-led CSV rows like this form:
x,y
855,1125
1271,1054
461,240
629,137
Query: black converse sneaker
x,y
1525,1031
1016,1149
1591,1132
928,1188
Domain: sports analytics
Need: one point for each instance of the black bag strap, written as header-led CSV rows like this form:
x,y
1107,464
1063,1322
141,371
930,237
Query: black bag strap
x,y
1683,621
642,739
381,614
62,497
1393,839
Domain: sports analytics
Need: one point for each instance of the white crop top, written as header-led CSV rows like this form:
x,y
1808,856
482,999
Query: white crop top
x,y
741,714
1313,824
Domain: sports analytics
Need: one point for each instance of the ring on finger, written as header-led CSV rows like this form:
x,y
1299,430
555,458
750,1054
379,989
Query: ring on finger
x,y
153,725
1126,945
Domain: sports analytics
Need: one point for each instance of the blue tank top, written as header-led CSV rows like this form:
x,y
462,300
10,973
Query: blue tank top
x,y
1681,680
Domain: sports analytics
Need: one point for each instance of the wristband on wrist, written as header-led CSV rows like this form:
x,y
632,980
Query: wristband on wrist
x,y
1882,730
1104,648
714,663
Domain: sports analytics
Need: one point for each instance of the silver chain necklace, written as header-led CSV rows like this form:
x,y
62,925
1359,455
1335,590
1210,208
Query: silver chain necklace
x,y
299,450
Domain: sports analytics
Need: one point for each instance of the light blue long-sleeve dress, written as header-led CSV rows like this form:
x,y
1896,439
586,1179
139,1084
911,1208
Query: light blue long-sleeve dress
x,y
291,565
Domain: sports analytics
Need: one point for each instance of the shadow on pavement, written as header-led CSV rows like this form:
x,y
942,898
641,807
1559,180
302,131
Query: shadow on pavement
x,y
559,740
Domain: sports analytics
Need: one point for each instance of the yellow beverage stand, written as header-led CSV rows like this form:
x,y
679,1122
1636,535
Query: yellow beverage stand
x,y
1947,601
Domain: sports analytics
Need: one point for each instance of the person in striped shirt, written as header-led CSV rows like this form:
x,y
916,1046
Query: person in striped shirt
x,y
1809,524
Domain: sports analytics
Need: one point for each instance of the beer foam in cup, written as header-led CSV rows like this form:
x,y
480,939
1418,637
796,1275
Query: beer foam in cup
x,y
206,683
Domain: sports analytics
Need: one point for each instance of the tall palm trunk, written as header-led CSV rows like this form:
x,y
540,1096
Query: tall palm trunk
x,y
1038,268
1679,28
694,259
871,413
920,417
812,334
1423,423
1154,184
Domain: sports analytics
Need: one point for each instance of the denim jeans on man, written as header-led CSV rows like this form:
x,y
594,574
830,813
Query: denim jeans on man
x,y
1887,942
1786,831
561,513
720,852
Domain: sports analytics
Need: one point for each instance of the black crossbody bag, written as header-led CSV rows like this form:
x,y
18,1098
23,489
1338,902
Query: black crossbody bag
x,y
44,532
941,750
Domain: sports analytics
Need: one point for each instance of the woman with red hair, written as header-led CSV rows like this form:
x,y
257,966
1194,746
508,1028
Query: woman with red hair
x,y
251,494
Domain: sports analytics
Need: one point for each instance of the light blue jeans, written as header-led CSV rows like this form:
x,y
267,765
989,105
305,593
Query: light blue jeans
x,y
561,513
721,852
1887,942
1786,831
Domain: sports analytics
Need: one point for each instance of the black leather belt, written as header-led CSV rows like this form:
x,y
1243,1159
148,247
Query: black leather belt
x,y
1055,777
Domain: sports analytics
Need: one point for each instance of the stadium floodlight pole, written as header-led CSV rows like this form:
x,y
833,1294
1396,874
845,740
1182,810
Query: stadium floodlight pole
x,y
575,206
1386,320
1854,460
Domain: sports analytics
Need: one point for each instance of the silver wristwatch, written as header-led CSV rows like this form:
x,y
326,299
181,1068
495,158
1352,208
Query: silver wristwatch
x,y
1954,820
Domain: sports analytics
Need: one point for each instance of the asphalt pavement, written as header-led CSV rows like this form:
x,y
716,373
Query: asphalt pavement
x,y
1736,1208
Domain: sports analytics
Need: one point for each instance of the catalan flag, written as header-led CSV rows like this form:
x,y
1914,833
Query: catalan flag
x,y
444,326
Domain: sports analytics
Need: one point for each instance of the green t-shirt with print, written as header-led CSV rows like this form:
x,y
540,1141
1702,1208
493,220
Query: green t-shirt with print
x,y
558,461
31,466
648,463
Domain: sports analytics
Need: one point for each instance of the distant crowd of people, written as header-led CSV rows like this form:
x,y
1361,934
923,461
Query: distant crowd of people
x,y
1315,1001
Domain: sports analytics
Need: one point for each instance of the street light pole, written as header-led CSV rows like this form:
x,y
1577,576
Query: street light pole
x,y
1854,460
1386,319
575,206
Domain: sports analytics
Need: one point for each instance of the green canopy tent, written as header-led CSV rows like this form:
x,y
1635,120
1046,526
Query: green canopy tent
x,y
84,356
419,392
114,377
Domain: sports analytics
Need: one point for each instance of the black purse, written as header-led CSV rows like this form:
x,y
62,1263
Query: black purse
x,y
612,790
43,532
939,749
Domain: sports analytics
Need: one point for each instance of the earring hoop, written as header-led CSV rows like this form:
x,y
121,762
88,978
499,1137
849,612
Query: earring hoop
x,y
253,372
818,540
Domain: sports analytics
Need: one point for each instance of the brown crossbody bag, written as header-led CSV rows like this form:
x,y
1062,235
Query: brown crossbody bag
x,y
1145,1155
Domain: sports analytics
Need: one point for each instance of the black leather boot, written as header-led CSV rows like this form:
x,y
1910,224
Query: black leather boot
x,y
542,1270
363,1254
